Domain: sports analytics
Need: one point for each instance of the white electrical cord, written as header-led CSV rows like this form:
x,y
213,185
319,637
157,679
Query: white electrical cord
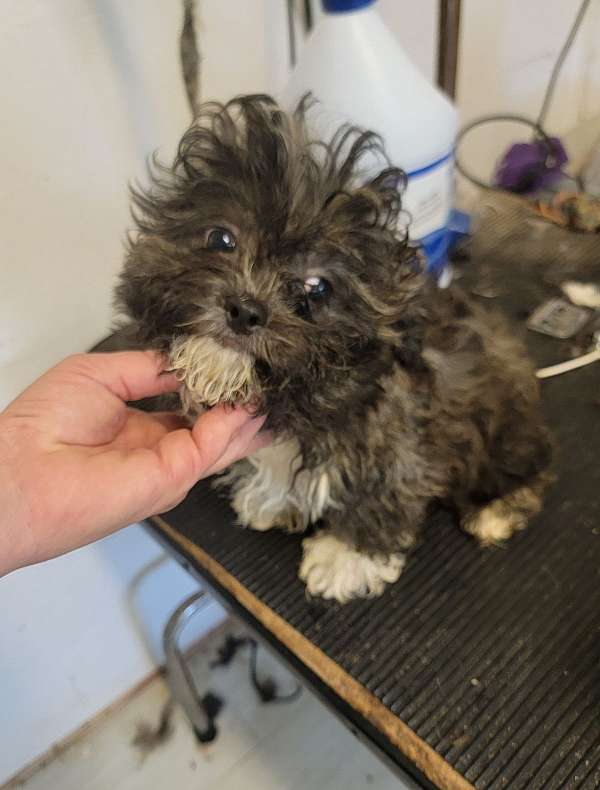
x,y
583,295
571,364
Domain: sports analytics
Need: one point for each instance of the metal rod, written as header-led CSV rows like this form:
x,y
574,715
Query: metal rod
x,y
178,673
292,31
308,16
448,43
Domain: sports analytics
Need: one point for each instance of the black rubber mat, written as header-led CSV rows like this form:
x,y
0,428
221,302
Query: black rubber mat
x,y
491,656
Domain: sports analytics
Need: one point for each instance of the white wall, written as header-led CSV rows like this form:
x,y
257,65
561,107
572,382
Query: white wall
x,y
507,52
70,640
88,89
413,24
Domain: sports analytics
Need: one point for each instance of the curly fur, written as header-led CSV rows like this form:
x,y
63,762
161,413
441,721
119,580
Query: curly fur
x,y
212,374
395,393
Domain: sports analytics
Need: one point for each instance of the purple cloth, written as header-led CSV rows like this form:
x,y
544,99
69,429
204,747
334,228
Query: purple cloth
x,y
527,167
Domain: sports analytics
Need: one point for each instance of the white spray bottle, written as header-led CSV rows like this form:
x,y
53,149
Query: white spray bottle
x,y
358,71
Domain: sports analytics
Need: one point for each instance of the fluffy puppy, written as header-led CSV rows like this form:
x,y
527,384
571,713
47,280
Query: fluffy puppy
x,y
272,273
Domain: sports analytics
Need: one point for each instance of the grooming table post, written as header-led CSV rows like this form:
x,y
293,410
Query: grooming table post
x,y
179,676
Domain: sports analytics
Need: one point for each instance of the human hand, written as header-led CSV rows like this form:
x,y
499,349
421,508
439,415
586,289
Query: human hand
x,y
76,463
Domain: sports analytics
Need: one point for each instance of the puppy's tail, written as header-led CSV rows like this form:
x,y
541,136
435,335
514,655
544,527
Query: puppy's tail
x,y
499,519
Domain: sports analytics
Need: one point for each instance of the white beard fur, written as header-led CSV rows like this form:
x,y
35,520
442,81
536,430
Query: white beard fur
x,y
211,373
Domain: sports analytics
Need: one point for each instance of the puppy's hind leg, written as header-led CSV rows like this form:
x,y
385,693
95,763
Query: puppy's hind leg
x,y
497,521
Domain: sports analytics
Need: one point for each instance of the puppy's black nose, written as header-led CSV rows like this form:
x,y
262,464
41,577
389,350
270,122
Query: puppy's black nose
x,y
245,315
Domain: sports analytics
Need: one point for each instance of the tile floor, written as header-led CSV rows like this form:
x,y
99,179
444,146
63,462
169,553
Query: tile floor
x,y
296,746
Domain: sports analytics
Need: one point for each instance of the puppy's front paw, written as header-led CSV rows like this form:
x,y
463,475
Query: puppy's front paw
x,y
333,569
261,514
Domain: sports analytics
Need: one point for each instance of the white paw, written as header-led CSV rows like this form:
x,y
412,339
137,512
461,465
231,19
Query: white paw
x,y
253,511
331,568
495,523
271,490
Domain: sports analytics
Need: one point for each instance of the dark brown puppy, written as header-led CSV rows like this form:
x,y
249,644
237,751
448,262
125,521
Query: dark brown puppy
x,y
272,274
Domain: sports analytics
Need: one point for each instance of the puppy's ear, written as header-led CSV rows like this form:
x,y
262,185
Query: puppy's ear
x,y
149,293
377,203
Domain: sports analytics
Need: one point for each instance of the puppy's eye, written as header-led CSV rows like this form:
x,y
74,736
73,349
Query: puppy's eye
x,y
317,288
220,240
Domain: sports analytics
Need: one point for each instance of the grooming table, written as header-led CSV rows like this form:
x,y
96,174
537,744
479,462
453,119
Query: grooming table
x,y
480,667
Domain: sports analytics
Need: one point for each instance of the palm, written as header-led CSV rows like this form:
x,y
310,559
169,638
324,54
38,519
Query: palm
x,y
84,463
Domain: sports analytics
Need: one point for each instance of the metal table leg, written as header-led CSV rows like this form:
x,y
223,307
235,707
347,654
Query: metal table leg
x,y
179,676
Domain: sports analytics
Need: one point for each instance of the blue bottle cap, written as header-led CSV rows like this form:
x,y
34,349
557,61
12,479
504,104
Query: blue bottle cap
x,y
341,6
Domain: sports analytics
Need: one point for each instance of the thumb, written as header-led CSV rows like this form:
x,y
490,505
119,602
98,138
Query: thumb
x,y
222,435
219,437
246,440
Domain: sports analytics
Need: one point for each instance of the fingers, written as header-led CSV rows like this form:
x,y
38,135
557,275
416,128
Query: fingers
x,y
219,437
245,442
223,436
131,375
168,419
143,429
